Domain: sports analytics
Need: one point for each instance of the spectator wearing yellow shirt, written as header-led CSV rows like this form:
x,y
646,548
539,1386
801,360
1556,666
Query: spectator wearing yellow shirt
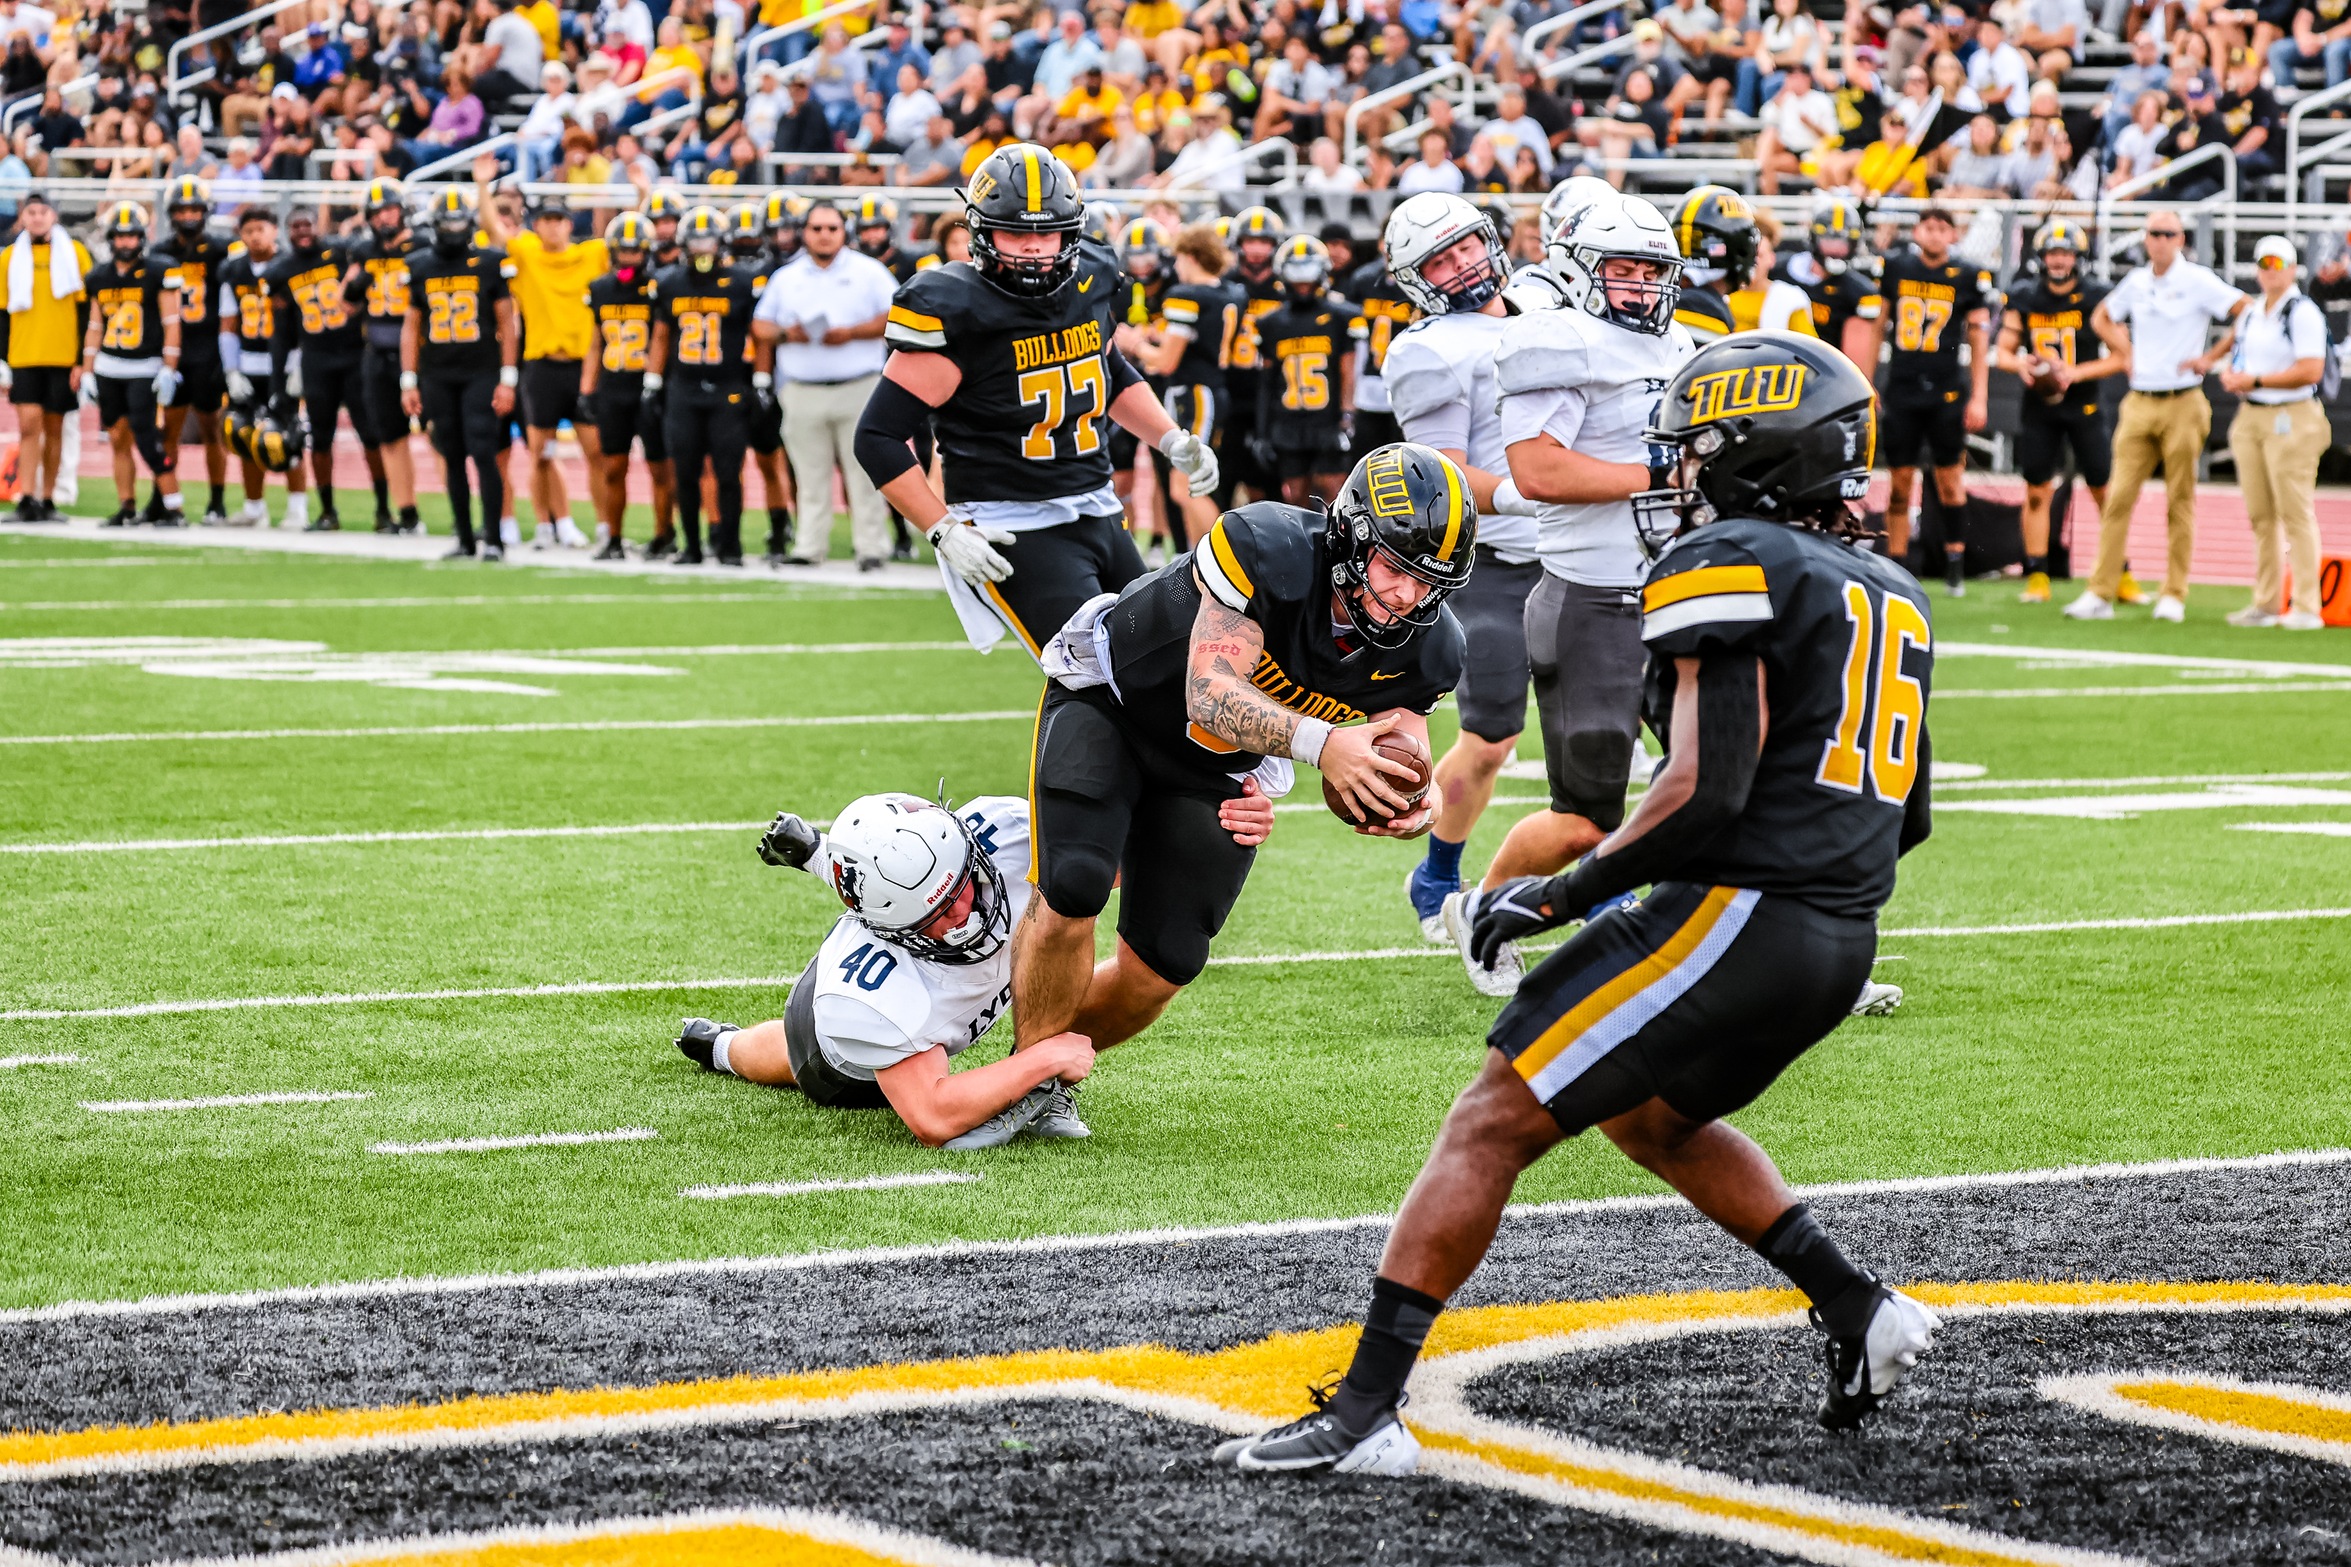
x,y
542,15
551,278
1156,101
1081,120
993,133
41,349
671,53
1153,17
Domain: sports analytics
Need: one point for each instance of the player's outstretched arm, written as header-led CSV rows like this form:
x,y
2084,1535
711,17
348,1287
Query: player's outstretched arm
x,y
1544,470
937,1102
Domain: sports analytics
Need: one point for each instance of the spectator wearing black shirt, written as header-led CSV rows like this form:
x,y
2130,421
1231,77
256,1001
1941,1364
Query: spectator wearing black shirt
x,y
56,124
802,127
2249,118
2200,126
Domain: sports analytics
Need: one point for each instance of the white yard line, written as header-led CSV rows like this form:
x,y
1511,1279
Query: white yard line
x,y
2120,807
868,1183
219,1102
1246,960
2314,829
11,1063
782,596
2212,688
625,1134
437,835
1945,785
722,650
2098,658
593,726
1051,1245
71,562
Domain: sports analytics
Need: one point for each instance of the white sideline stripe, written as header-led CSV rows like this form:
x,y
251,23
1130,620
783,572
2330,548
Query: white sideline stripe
x,y
219,1102
718,650
1249,960
295,840
2099,658
624,1134
2315,829
784,595
596,726
69,562
10,1063
1943,785
869,1183
1052,1245
2214,688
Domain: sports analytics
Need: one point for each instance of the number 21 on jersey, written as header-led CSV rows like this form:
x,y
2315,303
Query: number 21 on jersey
x,y
1878,727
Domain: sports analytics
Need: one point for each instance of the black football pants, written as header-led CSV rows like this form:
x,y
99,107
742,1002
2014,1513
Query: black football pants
x,y
457,412
707,420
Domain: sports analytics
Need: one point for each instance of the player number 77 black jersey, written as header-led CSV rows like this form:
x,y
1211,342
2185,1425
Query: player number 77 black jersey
x,y
1846,641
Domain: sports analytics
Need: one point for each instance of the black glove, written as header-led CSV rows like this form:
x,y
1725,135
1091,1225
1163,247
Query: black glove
x,y
1261,452
789,843
1512,912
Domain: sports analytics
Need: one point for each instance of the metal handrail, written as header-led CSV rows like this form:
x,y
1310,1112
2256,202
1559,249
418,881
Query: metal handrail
x,y
1561,23
752,43
806,64
463,157
173,84
829,160
2173,166
32,100
325,155
1410,87
1554,69
2302,109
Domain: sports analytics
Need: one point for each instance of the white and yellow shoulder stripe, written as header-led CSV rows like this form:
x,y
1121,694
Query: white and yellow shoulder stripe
x,y
910,328
1221,571
1707,595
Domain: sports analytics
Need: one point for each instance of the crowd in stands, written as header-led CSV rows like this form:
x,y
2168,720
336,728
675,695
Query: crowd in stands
x,y
1960,98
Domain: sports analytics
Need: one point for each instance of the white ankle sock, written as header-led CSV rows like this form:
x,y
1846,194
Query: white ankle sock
x,y
718,1051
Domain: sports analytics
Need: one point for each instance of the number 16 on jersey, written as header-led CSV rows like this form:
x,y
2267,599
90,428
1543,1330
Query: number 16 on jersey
x,y
1878,727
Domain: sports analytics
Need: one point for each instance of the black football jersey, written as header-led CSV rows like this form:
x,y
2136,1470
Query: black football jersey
x,y
381,289
1143,306
247,303
1846,639
1927,308
1032,418
709,317
1385,310
458,301
1209,314
2057,326
308,290
1837,297
1302,346
1244,367
1266,561
198,266
127,303
1706,313
624,321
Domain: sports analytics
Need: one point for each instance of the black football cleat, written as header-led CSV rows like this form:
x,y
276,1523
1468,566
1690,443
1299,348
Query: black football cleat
x,y
325,522
493,552
613,550
1316,1443
664,545
1866,1367
698,1036
687,557
122,518
385,524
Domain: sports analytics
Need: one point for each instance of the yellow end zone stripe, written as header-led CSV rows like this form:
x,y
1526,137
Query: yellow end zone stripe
x,y
1226,560
1704,580
725,1545
901,316
2277,1413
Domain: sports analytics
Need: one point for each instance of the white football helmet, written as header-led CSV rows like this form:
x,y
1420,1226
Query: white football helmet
x,y
1573,196
1429,224
897,860
1630,228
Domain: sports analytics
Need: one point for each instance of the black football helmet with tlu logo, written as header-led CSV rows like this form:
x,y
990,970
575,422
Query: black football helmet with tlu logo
x,y
1411,505
1767,425
1022,188
1715,228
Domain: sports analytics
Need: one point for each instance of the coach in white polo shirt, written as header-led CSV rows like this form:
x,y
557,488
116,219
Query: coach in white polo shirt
x,y
2157,319
825,313
2279,434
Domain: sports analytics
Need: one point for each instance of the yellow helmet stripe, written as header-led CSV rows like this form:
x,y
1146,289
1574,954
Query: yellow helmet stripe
x,y
1036,180
1453,518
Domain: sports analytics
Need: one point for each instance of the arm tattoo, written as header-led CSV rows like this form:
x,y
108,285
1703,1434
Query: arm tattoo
x,y
1217,693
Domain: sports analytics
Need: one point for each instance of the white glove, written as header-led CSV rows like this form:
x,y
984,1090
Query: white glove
x,y
1193,458
294,381
968,549
240,387
89,388
7,376
167,381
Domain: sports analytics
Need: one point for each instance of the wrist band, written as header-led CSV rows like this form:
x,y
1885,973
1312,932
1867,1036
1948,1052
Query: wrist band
x,y
761,380
408,380
508,375
1306,745
652,381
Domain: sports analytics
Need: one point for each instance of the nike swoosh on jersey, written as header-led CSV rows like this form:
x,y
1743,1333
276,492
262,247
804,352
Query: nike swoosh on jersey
x,y
1398,675
1085,283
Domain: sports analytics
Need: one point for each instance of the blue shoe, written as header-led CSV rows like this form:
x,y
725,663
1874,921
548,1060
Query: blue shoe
x,y
1428,897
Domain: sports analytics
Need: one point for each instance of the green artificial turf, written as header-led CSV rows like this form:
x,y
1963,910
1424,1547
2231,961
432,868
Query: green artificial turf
x,y
1307,1088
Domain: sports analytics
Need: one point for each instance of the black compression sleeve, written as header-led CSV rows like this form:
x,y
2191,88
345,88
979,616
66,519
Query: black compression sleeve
x,y
1123,373
1918,811
893,416
1730,718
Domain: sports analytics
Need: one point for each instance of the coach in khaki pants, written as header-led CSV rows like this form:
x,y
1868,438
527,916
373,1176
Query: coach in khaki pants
x,y
825,312
2280,432
2157,319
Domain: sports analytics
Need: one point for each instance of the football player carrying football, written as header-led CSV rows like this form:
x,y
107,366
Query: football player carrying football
x,y
1264,645
1789,671
2045,336
1009,358
916,971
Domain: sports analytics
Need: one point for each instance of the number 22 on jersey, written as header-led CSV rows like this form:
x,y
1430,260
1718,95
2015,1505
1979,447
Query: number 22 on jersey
x,y
1878,727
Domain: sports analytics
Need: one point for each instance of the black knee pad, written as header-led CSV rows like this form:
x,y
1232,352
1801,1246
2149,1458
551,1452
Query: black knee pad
x,y
1075,878
1590,780
1176,956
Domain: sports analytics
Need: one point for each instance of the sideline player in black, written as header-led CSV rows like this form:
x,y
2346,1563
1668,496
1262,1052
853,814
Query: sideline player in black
x,y
196,259
248,328
1256,233
1386,311
612,381
1933,301
1270,641
377,281
1306,405
314,318
1714,228
131,355
1199,319
1009,358
2067,360
1788,671
1840,277
666,210
1141,328
458,362
698,381
876,233
748,250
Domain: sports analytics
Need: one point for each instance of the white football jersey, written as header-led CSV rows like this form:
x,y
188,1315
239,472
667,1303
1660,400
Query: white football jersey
x,y
1595,387
878,1004
1440,374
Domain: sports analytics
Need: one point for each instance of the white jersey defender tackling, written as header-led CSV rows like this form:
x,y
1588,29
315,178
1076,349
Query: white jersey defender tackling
x,y
916,971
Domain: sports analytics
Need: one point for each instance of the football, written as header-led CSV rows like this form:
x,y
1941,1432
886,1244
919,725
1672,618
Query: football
x,y
2041,381
1397,747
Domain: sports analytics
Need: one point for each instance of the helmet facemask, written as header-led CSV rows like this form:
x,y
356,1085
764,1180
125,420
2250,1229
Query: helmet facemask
x,y
702,252
188,221
982,931
1351,575
1644,305
1029,277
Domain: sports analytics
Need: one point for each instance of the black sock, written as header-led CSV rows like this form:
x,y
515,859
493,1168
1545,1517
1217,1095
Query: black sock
x,y
1393,1331
2036,565
1797,1246
1955,567
383,495
220,497
408,515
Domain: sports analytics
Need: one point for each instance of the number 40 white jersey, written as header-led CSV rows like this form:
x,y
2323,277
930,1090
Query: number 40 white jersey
x,y
877,1004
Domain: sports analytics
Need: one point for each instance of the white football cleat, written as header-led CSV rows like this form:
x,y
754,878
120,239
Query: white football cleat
x,y
1315,1443
2252,616
1460,916
1862,1371
2089,607
2301,620
1877,1000
544,537
2171,609
568,534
